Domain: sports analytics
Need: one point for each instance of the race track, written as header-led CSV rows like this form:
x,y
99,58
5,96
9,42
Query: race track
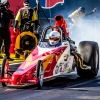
x,y
70,87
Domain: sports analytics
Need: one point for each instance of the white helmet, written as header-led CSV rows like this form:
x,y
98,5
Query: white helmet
x,y
54,37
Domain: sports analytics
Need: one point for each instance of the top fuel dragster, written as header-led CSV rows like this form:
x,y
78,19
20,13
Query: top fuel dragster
x,y
47,61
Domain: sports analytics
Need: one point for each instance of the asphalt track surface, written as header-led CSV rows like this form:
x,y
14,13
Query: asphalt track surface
x,y
66,87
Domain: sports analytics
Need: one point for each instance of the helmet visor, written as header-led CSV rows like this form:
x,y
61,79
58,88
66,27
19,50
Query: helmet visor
x,y
54,38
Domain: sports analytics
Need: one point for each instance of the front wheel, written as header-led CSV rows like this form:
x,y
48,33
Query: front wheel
x,y
40,74
26,54
4,70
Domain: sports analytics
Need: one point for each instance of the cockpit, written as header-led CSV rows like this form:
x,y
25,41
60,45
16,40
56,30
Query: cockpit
x,y
45,40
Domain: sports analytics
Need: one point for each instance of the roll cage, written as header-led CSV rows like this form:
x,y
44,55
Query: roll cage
x,y
45,33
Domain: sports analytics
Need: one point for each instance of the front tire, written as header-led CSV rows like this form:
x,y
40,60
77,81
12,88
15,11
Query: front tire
x,y
4,71
89,51
26,54
39,74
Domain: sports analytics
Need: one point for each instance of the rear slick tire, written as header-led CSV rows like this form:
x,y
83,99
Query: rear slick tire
x,y
89,51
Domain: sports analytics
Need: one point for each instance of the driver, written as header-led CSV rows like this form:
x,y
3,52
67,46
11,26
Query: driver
x,y
54,38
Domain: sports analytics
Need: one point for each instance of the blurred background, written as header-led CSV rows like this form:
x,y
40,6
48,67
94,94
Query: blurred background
x,y
90,29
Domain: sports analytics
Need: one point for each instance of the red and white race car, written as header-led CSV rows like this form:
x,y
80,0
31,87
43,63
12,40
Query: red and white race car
x,y
46,62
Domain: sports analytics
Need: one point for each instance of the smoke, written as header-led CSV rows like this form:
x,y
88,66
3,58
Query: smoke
x,y
89,31
90,24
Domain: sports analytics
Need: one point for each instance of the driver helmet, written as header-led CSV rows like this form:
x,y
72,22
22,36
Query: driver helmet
x,y
54,38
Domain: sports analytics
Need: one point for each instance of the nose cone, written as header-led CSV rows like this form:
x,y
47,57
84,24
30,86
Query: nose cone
x,y
16,79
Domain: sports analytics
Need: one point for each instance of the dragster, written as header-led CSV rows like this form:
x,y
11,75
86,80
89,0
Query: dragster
x,y
46,62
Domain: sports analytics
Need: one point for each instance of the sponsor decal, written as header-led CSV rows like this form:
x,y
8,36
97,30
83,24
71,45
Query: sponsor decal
x,y
57,70
61,69
67,70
